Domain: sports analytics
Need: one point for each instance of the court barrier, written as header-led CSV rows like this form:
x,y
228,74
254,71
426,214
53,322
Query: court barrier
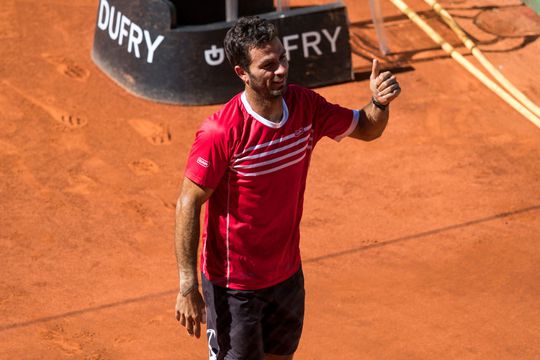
x,y
155,52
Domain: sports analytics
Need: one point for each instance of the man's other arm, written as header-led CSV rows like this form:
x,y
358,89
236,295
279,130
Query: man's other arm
x,y
190,307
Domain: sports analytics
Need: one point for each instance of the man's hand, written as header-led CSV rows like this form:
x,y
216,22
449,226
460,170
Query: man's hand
x,y
384,87
191,312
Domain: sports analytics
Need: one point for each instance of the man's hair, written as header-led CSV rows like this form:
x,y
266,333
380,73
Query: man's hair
x,y
248,33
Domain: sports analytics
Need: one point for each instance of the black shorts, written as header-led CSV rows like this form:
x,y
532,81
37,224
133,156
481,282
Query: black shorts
x,y
246,324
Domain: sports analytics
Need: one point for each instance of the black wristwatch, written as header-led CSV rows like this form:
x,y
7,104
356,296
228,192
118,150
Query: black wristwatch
x,y
378,104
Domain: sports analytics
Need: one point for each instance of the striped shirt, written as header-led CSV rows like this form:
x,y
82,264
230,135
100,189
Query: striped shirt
x,y
258,171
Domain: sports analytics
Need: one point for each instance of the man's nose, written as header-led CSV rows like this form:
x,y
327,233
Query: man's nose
x,y
281,70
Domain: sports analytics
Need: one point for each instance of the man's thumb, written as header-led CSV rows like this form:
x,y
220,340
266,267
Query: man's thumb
x,y
375,69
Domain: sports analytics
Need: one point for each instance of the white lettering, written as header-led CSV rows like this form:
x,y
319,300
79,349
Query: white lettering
x,y
118,30
135,39
288,47
202,162
113,34
152,46
123,31
214,56
104,12
306,44
332,39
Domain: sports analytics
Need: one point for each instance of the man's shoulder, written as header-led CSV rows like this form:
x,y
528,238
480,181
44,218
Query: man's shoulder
x,y
295,89
298,91
300,96
229,115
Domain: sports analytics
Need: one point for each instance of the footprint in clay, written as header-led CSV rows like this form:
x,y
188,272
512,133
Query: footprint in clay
x,y
80,184
66,119
155,134
143,167
58,337
67,67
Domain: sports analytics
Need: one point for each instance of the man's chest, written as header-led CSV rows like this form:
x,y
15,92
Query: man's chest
x,y
260,151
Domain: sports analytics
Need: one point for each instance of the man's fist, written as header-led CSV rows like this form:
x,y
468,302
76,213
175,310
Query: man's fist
x,y
384,87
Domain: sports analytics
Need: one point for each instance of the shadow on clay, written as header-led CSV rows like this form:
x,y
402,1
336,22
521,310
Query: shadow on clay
x,y
148,297
422,234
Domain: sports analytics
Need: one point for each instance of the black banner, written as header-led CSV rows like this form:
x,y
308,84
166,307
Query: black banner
x,y
137,45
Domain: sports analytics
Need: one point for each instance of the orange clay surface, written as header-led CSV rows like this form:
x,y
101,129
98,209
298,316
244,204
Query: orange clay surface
x,y
424,244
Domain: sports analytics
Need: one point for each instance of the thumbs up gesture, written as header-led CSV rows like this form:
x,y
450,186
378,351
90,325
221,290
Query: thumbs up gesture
x,y
384,86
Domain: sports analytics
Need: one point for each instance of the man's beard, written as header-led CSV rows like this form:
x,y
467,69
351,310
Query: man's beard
x,y
265,92
280,92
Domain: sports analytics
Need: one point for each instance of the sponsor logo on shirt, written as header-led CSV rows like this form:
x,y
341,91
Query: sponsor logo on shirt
x,y
299,132
202,162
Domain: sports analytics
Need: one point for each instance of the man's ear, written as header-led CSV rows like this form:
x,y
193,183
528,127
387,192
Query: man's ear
x,y
242,74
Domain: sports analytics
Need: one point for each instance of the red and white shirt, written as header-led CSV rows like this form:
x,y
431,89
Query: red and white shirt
x,y
258,171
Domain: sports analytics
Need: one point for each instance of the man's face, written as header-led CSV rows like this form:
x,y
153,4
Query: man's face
x,y
268,70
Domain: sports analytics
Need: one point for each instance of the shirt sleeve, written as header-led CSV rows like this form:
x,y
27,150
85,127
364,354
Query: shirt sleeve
x,y
209,155
333,120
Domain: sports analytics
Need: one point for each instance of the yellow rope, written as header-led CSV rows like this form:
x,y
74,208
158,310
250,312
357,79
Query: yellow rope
x,y
477,53
465,63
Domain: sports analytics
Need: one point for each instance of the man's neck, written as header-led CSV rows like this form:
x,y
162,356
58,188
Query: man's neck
x,y
271,109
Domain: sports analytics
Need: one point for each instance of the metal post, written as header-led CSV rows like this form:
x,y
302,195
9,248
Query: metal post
x,y
231,10
378,23
282,5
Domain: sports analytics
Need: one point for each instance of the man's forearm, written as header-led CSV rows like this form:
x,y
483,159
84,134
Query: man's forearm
x,y
374,121
187,243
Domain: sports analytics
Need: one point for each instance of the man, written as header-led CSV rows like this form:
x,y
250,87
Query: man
x,y
250,162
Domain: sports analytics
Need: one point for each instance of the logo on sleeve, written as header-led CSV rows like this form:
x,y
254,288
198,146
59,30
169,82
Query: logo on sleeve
x,y
202,162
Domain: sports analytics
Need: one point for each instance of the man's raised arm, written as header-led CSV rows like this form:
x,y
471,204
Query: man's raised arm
x,y
190,308
374,116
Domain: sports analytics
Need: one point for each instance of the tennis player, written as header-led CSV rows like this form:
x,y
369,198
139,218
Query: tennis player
x,y
249,163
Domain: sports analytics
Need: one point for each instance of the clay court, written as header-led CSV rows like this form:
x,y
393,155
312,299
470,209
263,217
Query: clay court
x,y
424,244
